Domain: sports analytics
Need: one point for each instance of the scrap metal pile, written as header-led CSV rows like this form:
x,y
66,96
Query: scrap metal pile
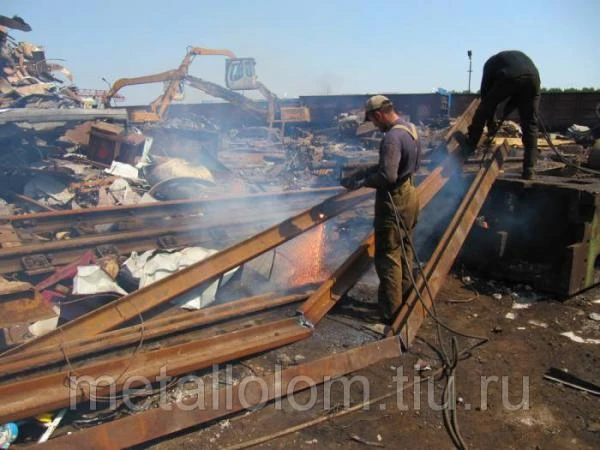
x,y
27,77
133,252
97,261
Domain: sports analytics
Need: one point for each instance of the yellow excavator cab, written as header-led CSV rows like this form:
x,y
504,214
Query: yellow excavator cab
x,y
240,74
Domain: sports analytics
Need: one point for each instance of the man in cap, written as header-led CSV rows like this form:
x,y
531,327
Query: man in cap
x,y
510,75
396,201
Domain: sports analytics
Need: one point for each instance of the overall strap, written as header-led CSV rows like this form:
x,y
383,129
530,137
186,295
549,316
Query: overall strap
x,y
409,128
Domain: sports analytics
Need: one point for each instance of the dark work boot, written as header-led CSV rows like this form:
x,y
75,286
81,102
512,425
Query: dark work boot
x,y
528,174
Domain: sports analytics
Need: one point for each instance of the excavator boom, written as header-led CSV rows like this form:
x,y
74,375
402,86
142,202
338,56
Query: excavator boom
x,y
232,97
239,76
210,51
174,76
147,79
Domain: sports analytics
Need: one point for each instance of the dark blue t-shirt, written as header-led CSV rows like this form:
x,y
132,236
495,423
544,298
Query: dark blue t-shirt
x,y
399,154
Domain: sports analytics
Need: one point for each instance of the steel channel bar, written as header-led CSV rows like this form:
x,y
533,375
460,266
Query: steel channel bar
x,y
26,361
158,422
342,280
413,312
36,395
197,230
130,306
57,220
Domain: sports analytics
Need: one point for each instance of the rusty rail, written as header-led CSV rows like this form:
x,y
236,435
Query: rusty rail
x,y
179,233
130,306
183,229
58,220
158,422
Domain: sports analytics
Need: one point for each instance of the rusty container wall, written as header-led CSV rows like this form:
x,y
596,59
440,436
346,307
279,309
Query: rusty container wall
x,y
544,234
561,110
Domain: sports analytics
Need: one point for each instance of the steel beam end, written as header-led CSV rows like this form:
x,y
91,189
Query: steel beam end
x,y
304,322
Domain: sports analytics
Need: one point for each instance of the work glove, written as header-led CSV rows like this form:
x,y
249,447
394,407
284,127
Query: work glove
x,y
351,182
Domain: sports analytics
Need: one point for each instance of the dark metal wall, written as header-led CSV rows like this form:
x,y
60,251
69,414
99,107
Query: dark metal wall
x,y
558,110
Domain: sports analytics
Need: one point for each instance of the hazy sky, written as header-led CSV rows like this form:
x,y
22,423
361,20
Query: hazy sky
x,y
309,47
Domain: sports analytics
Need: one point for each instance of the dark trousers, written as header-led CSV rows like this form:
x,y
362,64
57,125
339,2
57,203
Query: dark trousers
x,y
522,93
392,268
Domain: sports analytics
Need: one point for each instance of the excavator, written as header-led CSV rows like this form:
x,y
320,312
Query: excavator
x,y
240,75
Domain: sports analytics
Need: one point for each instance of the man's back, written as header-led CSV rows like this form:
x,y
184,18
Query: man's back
x,y
511,64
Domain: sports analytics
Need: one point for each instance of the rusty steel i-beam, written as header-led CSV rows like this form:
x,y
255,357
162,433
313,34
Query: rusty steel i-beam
x,y
411,315
48,392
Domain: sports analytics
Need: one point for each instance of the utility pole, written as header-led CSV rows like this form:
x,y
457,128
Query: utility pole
x,y
470,54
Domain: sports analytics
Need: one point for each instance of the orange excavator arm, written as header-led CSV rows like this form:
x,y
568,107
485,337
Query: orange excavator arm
x,y
209,51
174,77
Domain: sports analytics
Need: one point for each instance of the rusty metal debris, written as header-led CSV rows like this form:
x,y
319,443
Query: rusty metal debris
x,y
20,302
105,318
84,188
142,227
32,359
129,307
118,433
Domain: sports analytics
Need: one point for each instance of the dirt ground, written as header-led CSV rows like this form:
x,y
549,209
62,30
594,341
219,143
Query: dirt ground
x,y
519,409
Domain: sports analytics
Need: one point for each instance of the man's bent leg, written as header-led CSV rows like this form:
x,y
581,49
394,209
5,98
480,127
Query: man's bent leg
x,y
528,105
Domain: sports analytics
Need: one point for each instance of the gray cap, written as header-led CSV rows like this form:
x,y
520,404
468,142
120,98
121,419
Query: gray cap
x,y
375,103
